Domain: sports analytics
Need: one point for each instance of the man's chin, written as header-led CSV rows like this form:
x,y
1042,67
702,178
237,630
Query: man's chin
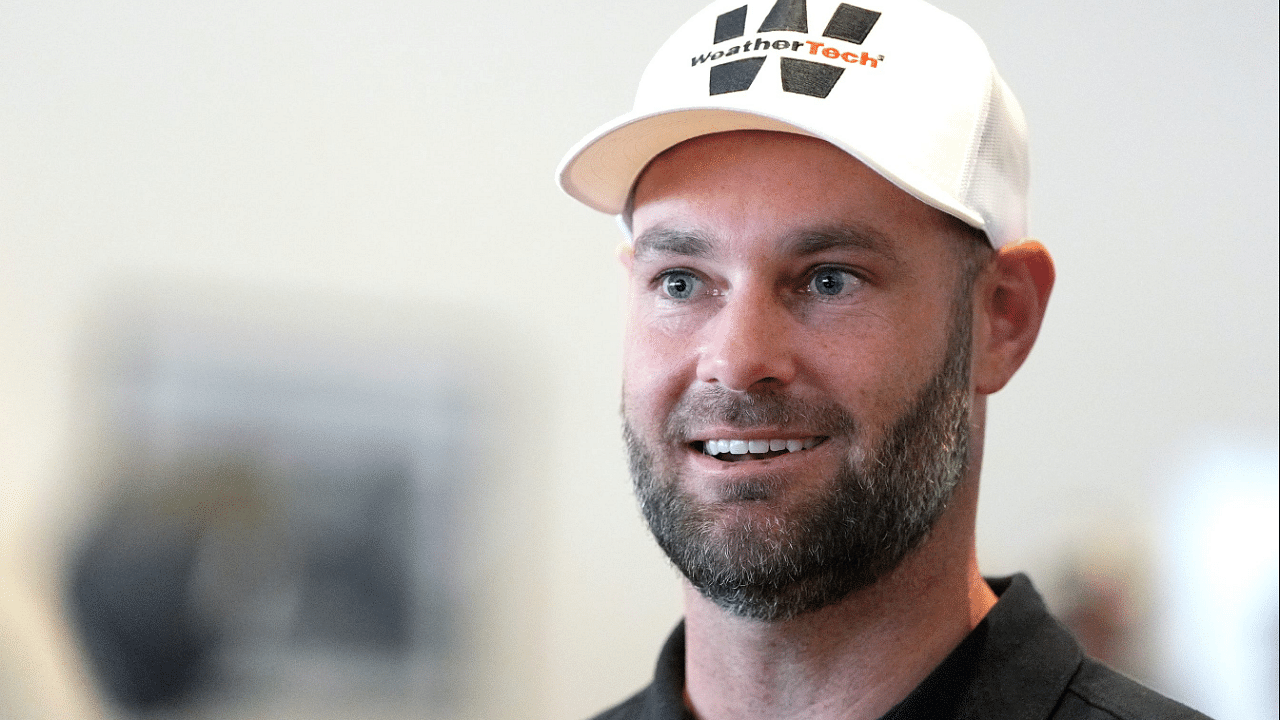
x,y
749,582
747,529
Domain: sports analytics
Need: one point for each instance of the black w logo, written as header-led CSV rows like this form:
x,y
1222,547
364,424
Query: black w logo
x,y
849,23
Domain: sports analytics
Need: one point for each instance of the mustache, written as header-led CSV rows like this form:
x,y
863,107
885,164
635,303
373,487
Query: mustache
x,y
716,405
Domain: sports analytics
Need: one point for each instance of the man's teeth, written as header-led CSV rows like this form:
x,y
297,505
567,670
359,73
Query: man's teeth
x,y
744,447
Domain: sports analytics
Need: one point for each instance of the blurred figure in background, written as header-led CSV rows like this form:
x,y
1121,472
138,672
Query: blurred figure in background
x,y
279,534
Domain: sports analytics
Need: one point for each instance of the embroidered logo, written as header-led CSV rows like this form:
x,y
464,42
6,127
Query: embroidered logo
x,y
848,23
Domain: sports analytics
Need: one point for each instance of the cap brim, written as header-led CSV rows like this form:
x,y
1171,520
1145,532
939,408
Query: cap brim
x,y
602,168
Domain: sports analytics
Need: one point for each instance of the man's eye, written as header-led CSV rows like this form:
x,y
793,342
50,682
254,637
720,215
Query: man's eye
x,y
679,285
832,281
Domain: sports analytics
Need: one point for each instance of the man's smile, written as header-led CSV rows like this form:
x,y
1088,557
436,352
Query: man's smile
x,y
736,450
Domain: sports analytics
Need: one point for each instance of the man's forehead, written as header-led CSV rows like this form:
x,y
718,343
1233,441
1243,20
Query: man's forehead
x,y
676,157
804,193
790,162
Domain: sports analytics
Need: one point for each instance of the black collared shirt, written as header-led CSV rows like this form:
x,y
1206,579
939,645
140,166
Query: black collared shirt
x,y
1018,664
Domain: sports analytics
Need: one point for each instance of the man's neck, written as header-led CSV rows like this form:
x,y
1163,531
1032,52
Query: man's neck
x,y
853,660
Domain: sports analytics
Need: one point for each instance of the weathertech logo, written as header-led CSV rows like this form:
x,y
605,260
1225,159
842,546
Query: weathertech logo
x,y
848,23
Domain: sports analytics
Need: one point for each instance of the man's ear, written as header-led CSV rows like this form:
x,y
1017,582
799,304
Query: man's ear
x,y
1010,297
626,254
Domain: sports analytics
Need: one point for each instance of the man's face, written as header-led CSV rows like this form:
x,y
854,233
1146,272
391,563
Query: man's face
x,y
796,391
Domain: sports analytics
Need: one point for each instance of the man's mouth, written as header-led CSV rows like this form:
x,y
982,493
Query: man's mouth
x,y
730,450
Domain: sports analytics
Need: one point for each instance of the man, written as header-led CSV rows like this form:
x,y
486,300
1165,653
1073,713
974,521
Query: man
x,y
828,275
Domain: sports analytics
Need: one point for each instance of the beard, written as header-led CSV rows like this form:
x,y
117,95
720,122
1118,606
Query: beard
x,y
880,505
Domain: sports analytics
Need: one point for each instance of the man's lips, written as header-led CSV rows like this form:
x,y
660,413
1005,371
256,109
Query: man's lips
x,y
737,449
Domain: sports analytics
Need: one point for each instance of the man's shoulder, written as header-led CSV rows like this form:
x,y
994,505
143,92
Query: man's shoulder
x,y
662,699
651,703
1097,692
1018,663
632,708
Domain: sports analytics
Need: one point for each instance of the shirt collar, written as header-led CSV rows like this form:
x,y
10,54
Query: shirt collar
x,y
1015,664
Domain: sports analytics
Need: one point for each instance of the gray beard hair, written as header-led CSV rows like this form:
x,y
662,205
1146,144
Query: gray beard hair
x,y
878,509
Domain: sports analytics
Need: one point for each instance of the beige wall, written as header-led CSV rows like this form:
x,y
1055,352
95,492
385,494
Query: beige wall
x,y
395,157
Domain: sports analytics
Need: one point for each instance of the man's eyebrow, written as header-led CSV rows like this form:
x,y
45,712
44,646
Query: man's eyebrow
x,y
692,243
814,241
668,241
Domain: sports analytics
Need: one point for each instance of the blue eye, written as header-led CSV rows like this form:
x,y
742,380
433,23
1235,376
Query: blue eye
x,y
832,281
679,285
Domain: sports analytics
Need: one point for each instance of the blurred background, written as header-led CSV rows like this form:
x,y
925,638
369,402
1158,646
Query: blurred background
x,y
309,373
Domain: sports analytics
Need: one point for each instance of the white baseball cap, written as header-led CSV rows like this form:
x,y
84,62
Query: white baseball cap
x,y
900,85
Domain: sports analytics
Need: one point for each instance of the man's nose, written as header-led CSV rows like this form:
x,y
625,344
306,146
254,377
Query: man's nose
x,y
748,342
